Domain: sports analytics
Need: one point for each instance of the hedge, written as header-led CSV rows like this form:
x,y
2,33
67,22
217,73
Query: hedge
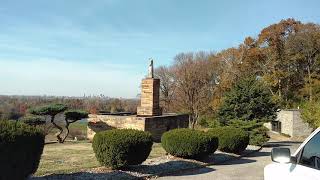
x,y
232,140
21,147
119,148
187,143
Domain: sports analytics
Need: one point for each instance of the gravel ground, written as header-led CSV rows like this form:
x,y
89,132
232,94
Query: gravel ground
x,y
150,168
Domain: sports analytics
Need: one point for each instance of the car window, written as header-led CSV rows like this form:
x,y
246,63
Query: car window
x,y
311,153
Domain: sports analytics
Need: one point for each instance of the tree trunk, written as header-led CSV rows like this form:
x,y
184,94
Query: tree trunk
x,y
191,121
67,127
279,88
58,127
309,82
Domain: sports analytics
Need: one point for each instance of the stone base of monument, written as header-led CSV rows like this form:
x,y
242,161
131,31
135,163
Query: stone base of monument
x,y
156,125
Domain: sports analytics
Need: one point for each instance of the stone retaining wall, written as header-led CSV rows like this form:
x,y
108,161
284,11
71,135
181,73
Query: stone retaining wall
x,y
292,123
156,125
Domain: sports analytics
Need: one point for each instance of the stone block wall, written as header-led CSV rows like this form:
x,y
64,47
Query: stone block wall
x,y
286,119
149,98
98,123
300,128
156,125
292,124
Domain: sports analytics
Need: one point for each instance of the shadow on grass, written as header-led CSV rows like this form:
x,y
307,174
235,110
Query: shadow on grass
x,y
132,172
87,176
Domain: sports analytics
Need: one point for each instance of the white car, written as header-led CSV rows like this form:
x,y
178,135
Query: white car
x,y
303,164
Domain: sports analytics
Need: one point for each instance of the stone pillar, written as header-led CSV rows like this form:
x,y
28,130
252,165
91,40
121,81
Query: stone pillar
x,y
149,98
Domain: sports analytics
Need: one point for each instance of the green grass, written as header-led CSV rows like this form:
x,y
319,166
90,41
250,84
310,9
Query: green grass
x,y
67,157
79,125
74,157
157,151
77,129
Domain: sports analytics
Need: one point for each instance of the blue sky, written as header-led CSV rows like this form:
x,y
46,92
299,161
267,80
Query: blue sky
x,y
76,47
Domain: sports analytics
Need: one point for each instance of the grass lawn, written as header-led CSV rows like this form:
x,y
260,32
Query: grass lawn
x,y
74,157
77,129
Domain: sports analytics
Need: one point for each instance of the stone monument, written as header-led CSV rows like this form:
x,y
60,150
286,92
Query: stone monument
x,y
150,87
148,118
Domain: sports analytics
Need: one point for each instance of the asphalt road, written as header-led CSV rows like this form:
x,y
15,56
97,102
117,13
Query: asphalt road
x,y
246,168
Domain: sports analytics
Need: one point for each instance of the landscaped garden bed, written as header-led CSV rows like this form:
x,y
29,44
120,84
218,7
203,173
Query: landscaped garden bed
x,y
76,160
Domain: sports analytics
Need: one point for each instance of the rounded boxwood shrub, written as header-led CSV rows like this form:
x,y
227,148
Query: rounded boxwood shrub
x,y
232,140
21,147
188,143
119,148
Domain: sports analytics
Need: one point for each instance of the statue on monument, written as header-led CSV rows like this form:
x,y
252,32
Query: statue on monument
x,y
150,73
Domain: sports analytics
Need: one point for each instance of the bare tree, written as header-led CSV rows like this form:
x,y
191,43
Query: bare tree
x,y
167,86
195,79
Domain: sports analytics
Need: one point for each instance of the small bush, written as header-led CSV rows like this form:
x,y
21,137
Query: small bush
x,y
232,140
21,147
257,132
119,148
259,136
203,122
187,143
209,121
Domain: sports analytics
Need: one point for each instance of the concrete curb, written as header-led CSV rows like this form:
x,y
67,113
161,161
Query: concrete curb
x,y
198,167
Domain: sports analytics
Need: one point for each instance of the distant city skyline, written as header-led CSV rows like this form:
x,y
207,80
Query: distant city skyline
x,y
77,47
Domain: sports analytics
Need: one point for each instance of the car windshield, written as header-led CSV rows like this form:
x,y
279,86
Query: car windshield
x,y
311,153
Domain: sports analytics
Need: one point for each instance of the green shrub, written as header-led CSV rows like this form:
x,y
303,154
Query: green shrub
x,y
119,148
232,140
187,143
203,122
259,136
257,132
208,121
246,125
21,147
33,120
310,113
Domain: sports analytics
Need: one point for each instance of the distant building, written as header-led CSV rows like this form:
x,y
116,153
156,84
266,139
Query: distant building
x,y
289,122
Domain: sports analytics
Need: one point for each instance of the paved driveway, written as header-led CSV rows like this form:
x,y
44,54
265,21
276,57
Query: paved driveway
x,y
246,168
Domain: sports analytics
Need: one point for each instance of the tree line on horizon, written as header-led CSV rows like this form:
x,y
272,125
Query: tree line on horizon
x,y
15,107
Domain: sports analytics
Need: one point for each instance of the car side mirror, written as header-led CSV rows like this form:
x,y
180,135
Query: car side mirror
x,y
281,155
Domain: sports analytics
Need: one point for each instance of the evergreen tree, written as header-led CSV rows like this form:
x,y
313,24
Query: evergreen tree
x,y
248,100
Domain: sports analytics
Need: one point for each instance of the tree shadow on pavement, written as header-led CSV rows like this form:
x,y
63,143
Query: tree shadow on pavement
x,y
218,158
281,143
238,161
188,172
167,168
259,154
